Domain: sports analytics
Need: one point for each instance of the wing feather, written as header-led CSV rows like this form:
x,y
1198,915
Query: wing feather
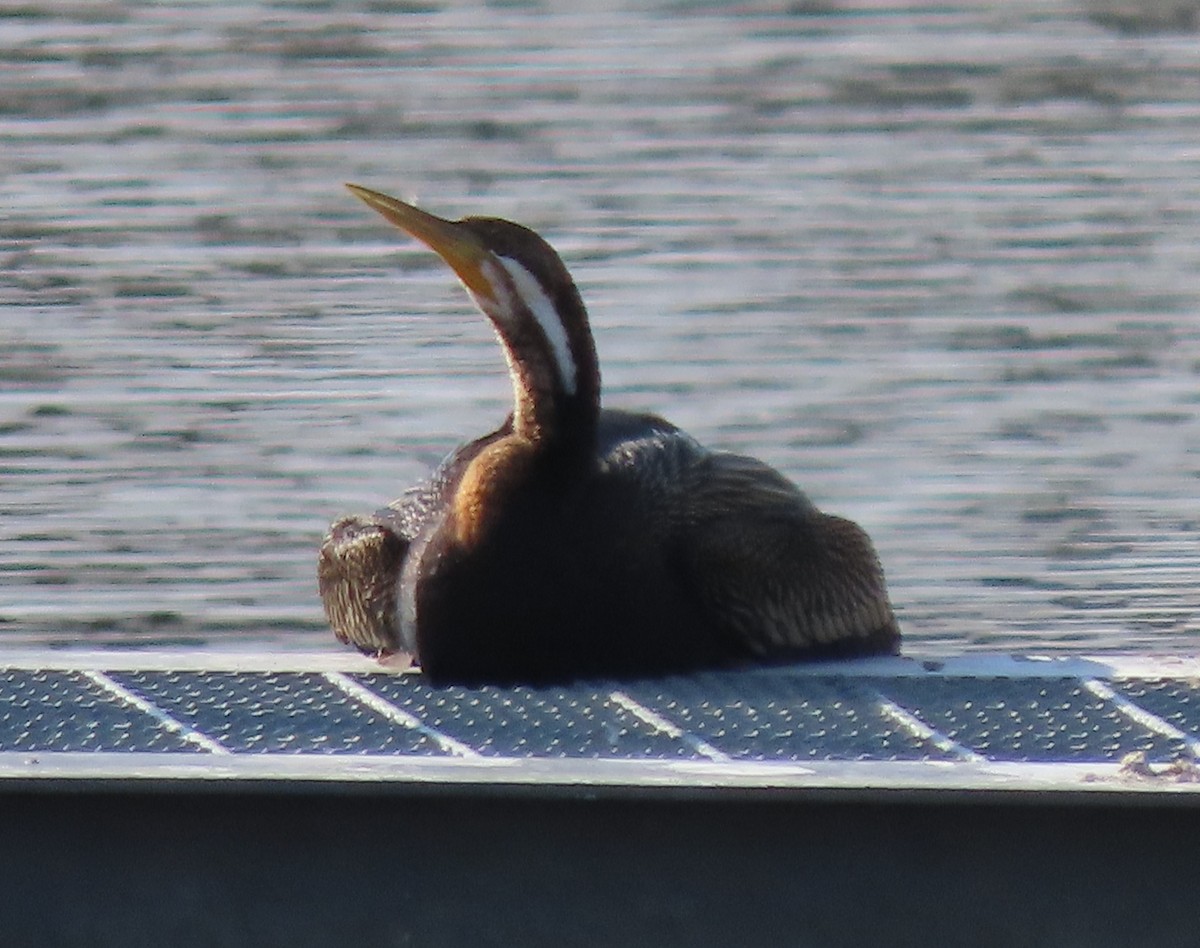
x,y
774,571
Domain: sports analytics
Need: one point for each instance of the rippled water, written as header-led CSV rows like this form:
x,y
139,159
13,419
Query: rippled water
x,y
939,264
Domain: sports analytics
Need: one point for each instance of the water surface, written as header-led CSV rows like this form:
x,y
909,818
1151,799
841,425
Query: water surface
x,y
937,263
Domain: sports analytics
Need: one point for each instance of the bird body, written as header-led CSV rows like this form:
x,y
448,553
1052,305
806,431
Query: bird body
x,y
575,541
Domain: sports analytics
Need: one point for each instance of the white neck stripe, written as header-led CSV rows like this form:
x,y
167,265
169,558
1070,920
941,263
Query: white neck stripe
x,y
534,297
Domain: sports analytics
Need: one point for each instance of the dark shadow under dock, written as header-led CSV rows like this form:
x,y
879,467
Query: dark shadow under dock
x,y
384,864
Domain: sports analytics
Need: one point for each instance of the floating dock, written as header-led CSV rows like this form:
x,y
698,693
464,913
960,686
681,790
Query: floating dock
x,y
200,798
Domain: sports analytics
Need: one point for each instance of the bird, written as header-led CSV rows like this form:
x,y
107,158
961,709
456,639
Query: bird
x,y
581,542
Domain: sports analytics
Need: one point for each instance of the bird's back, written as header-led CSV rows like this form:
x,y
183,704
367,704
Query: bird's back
x,y
661,556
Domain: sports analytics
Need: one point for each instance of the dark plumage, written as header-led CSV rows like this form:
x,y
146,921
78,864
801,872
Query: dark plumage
x,y
573,541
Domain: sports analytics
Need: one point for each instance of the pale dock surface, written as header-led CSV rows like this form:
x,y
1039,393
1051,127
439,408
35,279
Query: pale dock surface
x,y
986,722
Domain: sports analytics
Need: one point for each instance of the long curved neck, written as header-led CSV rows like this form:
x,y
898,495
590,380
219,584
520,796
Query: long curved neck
x,y
552,364
556,407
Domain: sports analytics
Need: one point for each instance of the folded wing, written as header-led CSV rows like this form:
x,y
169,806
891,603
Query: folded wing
x,y
773,571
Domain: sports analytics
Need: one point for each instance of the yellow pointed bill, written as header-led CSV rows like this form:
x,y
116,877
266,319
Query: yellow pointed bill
x,y
455,244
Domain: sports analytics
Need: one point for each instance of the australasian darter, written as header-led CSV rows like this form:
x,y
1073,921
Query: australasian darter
x,y
579,541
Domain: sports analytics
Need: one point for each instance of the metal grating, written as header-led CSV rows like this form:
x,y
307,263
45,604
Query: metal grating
x,y
273,713
573,721
949,717
782,717
1177,702
1030,719
52,710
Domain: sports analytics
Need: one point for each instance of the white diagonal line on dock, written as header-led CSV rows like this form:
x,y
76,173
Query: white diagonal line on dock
x,y
925,732
134,700
1135,712
397,715
667,727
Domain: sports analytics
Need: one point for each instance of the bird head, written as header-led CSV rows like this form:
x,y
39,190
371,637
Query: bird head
x,y
519,282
